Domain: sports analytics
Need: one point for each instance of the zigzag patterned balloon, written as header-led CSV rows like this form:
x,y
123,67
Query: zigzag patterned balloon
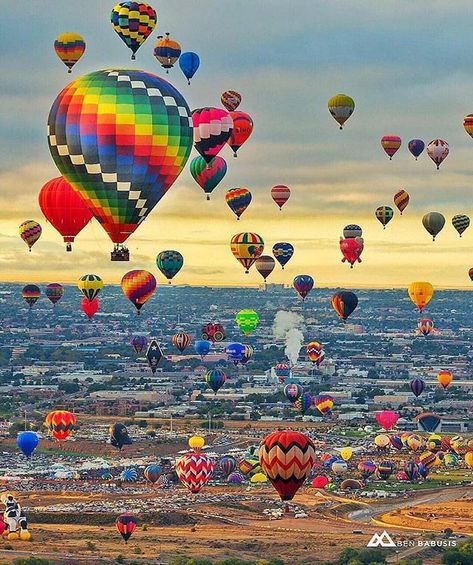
x,y
194,470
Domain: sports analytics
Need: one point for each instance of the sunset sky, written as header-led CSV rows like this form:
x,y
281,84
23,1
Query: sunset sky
x,y
408,66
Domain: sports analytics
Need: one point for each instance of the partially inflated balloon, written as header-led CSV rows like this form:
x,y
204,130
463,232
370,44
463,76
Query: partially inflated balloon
x,y
341,107
420,293
181,340
69,48
416,146
212,129
119,435
167,51
30,294
445,378
390,144
64,208
351,249
215,379
265,266
283,252
242,129
384,214
54,291
280,193
460,222
246,248
303,284
238,200
320,482
433,222
247,321
90,307
231,100
344,303
30,232
208,175
189,63
138,286
133,22
401,200
438,150
121,138
417,386
169,263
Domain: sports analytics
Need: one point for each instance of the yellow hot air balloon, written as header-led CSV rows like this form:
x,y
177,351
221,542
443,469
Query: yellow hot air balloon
x,y
382,441
90,286
346,453
445,378
196,443
259,478
420,293
341,107
469,459
247,247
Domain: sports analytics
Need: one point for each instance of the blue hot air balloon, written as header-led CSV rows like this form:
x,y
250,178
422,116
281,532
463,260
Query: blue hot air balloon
x,y
283,252
235,352
27,442
189,63
416,146
129,475
202,347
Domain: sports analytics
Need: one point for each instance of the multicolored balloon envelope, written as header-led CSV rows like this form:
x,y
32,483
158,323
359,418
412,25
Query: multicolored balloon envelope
x,y
230,99
169,262
384,214
30,294
126,523
30,231
215,379
265,266
280,193
208,175
324,403
138,342
120,138
401,200
438,150
341,107
303,284
344,303
194,470
54,291
69,48
133,22
138,286
416,146
283,251
167,51
238,200
315,352
390,144
212,129
246,248
242,129
181,340
213,332
293,391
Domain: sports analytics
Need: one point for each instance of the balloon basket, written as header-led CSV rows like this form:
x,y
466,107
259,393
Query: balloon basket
x,y
120,253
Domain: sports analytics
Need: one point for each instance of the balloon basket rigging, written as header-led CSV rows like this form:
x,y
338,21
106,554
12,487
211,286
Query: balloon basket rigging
x,y
120,253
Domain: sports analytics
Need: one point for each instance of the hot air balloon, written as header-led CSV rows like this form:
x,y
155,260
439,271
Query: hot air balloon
x,y
121,173
152,473
169,263
228,464
235,478
303,284
366,468
341,107
384,214
280,193
265,265
202,347
433,222
208,175
212,129
138,286
90,307
293,391
126,523
382,441
420,293
247,320
167,51
460,222
246,248
230,100
425,326
427,459
181,340
242,129
339,467
189,62
286,458
235,352
417,386
69,48
468,124
139,342
434,443
238,200
153,355
215,379
387,419
282,371
437,150
90,286
351,249
414,441
346,453
344,303
315,352
416,146
61,424
119,435
54,291
384,469
396,442
352,231
283,252
470,273
30,232
428,421
390,144
30,294
194,470
247,354
303,403
27,442
133,22
320,481
445,378
401,200
324,403
469,459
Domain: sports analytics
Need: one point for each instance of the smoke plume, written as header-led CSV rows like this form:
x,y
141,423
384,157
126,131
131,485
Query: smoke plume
x,y
288,326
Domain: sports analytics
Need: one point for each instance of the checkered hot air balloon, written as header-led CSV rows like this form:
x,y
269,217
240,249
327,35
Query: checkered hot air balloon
x,y
181,340
384,214
133,22
194,470
247,320
212,129
138,286
280,193
286,458
169,262
401,200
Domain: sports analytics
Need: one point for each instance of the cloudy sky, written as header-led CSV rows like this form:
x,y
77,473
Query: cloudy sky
x,y
407,65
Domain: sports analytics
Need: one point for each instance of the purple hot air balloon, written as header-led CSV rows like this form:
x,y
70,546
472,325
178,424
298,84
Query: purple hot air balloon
x,y
138,342
417,386
416,146
303,285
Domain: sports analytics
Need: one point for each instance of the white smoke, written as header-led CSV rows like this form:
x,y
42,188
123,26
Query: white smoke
x,y
287,326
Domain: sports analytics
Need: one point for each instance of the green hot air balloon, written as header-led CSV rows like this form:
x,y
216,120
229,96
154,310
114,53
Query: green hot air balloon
x,y
247,320
169,263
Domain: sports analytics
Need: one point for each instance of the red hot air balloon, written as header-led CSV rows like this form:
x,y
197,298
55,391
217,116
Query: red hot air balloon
x,y
280,193
90,307
351,249
64,208
320,482
242,129
387,419
194,470
212,129
287,457
126,524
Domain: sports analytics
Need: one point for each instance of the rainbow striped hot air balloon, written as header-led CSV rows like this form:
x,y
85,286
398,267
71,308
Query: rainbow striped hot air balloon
x,y
390,144
30,294
238,200
69,48
138,286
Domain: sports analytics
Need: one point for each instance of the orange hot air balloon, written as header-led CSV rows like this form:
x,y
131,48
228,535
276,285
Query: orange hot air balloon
x,y
242,129
61,424
445,378
287,458
138,286
420,293
401,200
247,247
